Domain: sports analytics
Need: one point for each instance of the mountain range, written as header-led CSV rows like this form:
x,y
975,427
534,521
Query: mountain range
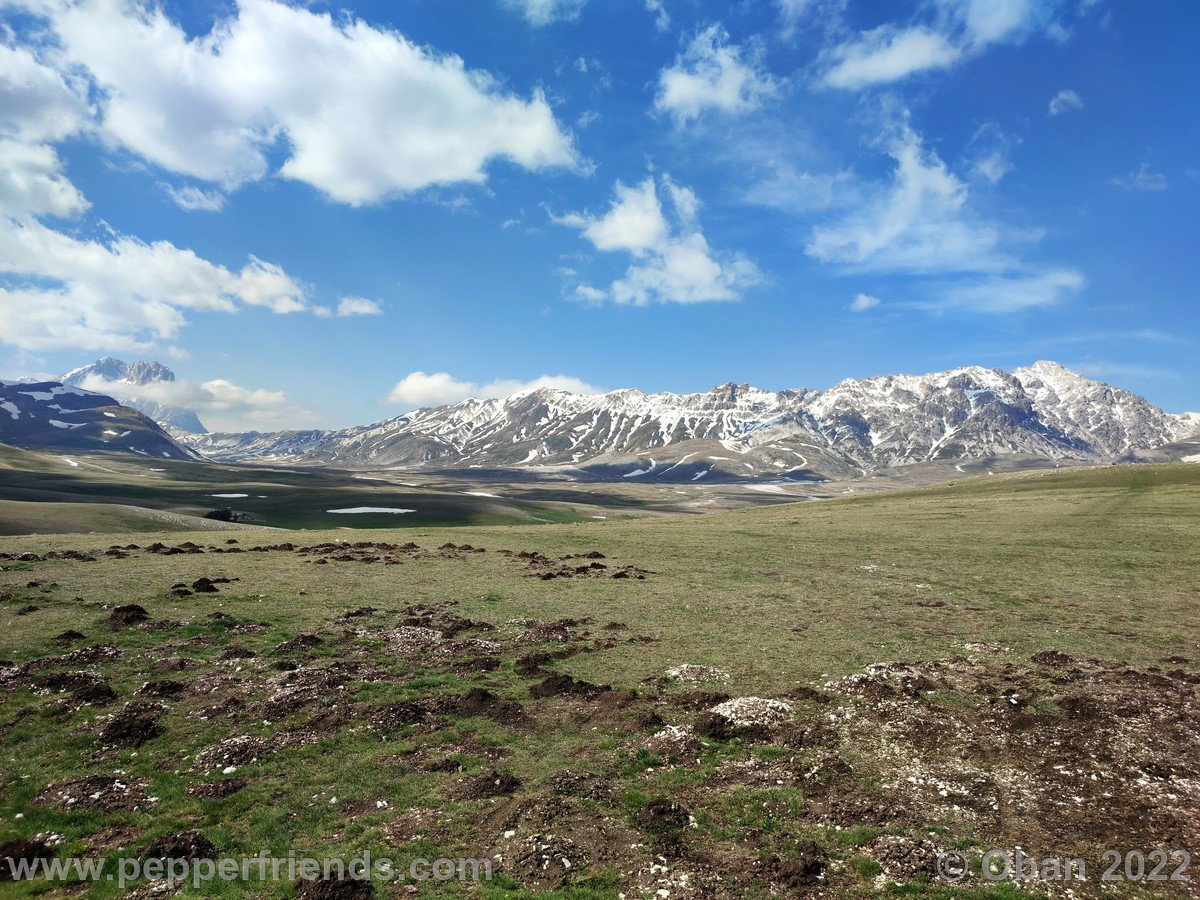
x,y
738,432
119,377
51,415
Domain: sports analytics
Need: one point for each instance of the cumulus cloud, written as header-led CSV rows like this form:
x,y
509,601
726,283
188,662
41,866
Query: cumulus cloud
x,y
32,182
123,294
1064,101
418,389
920,222
863,302
358,306
959,30
673,262
225,406
543,12
360,113
713,75
1142,179
39,103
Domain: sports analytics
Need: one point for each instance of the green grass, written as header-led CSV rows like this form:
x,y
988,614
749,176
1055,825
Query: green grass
x,y
1098,563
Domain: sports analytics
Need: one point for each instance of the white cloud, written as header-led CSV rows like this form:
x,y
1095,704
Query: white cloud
x,y
662,19
959,30
418,388
120,295
790,14
712,74
1142,179
39,103
192,198
921,223
863,302
360,113
543,12
673,262
421,389
1064,101
988,153
888,54
918,222
223,405
358,306
1011,292
32,182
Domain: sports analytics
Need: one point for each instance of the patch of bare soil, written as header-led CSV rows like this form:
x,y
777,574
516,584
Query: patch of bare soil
x,y
219,789
133,725
108,793
83,687
190,845
12,853
334,888
489,784
127,615
560,685
84,656
1065,757
230,753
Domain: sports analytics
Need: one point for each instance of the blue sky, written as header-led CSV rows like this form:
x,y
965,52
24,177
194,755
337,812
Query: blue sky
x,y
600,194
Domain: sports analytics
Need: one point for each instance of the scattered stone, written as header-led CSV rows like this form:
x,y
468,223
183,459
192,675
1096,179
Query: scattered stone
x,y
754,711
232,751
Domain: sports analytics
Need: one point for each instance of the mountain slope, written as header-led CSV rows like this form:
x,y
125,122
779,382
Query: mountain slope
x,y
108,372
737,431
52,415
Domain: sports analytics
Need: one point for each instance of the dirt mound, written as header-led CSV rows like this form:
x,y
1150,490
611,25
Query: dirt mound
x,y
24,849
395,716
482,702
1053,658
566,686
490,784
334,888
751,712
803,867
237,750
219,789
69,636
542,842
691,673
84,687
300,643
84,656
189,845
673,743
127,615
162,688
133,725
662,817
108,793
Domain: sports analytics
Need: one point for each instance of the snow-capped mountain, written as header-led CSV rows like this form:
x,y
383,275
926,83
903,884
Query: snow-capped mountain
x,y
737,431
108,371
48,414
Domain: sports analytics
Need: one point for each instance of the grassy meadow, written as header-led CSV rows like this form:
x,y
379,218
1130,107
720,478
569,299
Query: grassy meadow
x,y
368,739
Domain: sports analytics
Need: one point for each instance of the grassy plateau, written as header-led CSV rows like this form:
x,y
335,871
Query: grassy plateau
x,y
1001,662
